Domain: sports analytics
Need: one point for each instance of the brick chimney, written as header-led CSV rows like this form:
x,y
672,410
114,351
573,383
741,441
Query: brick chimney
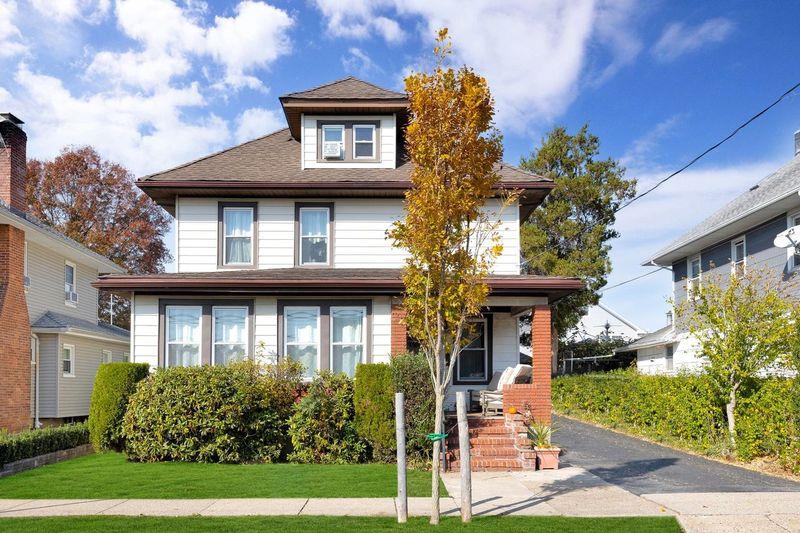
x,y
15,333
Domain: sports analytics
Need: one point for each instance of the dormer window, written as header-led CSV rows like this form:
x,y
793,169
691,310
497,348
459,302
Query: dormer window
x,y
333,141
363,141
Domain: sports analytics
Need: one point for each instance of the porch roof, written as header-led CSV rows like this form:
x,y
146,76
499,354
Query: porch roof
x,y
323,281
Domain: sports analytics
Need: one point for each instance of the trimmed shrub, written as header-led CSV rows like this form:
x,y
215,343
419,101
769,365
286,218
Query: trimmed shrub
x,y
411,375
225,414
374,409
113,385
686,410
322,427
16,446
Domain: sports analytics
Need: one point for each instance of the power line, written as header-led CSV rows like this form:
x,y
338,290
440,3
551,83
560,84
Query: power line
x,y
640,276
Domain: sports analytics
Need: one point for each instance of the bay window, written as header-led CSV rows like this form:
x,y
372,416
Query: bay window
x,y
184,335
230,339
301,340
348,327
68,360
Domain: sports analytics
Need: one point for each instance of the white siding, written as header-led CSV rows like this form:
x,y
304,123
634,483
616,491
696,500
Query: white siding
x,y
197,234
145,330
388,142
360,238
276,233
381,329
508,262
266,329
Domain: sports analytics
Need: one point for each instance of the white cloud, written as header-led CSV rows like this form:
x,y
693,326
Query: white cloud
x,y
679,39
359,62
62,11
254,38
639,154
358,19
532,53
257,122
10,37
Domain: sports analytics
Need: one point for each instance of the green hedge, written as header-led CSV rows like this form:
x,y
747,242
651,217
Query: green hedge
x,y
225,414
322,427
113,385
412,377
374,409
16,446
686,410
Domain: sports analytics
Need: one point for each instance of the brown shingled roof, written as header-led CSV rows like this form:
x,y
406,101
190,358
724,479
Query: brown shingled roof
x,y
346,89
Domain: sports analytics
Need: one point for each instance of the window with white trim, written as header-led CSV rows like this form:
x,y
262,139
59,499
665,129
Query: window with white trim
x,y
794,256
474,359
332,134
693,280
348,329
301,338
107,357
229,334
237,234
70,283
67,360
184,325
363,141
314,235
738,257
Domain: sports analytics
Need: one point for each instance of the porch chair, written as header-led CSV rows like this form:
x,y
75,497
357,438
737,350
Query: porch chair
x,y
491,398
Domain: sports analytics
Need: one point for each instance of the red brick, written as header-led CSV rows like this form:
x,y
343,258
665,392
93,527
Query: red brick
x,y
399,331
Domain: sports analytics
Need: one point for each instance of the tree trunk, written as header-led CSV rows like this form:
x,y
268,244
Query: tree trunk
x,y
437,454
731,408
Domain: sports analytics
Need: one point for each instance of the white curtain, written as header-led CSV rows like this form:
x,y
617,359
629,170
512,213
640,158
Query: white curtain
x,y
238,235
347,336
230,335
183,336
302,338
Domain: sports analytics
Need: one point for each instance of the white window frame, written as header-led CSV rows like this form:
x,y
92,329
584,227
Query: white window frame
x,y
225,236
107,356
669,357
300,236
363,342
791,257
342,144
166,332
485,377
214,329
743,261
71,349
372,142
316,309
692,284
74,282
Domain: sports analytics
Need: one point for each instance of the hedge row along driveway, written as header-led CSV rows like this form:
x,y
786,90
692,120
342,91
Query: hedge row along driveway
x,y
109,475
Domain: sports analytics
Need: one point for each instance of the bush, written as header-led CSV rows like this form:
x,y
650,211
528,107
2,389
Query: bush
x,y
113,385
411,376
227,414
686,410
322,427
374,410
16,446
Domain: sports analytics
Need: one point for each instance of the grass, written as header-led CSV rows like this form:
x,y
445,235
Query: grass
x,y
110,475
529,524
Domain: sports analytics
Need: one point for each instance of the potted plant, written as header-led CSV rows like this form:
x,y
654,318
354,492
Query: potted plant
x,y
540,434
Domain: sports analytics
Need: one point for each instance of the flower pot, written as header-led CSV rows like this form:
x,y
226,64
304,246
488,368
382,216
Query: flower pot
x,y
547,458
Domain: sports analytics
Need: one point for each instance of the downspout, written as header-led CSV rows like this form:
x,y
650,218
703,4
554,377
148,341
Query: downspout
x,y
35,343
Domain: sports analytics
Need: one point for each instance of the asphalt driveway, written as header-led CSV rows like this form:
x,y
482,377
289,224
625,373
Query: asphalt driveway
x,y
645,468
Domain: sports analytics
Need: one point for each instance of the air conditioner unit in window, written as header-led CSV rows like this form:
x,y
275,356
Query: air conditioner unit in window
x,y
331,150
71,297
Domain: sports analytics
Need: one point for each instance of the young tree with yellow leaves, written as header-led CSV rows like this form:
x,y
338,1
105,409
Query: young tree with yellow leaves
x,y
451,239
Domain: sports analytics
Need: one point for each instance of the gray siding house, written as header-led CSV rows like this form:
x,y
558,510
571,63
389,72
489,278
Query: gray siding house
x,y
738,236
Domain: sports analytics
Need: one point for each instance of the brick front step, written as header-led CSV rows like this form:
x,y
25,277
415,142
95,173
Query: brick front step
x,y
489,465
490,451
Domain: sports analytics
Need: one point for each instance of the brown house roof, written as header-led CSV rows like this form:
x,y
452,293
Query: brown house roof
x,y
349,88
327,281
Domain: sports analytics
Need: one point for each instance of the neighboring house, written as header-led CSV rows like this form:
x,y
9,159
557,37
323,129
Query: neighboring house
x,y
51,341
281,243
738,236
601,322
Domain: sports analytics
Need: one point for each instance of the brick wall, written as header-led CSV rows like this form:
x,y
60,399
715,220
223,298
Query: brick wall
x,y
12,165
15,333
399,333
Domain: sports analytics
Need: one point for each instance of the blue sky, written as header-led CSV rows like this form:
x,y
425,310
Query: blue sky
x,y
153,83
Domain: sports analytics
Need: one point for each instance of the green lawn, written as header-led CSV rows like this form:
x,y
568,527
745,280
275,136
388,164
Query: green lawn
x,y
304,524
109,475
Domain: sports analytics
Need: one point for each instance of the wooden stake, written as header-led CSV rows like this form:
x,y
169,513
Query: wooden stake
x,y
400,430
464,457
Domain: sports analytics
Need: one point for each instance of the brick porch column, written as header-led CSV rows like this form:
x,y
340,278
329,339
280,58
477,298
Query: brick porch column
x,y
542,356
399,333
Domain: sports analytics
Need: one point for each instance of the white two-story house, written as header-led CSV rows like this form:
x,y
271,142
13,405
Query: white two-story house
x,y
282,249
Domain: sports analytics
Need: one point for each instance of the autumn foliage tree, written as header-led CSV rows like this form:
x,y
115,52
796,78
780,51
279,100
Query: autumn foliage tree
x,y
451,240
95,202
